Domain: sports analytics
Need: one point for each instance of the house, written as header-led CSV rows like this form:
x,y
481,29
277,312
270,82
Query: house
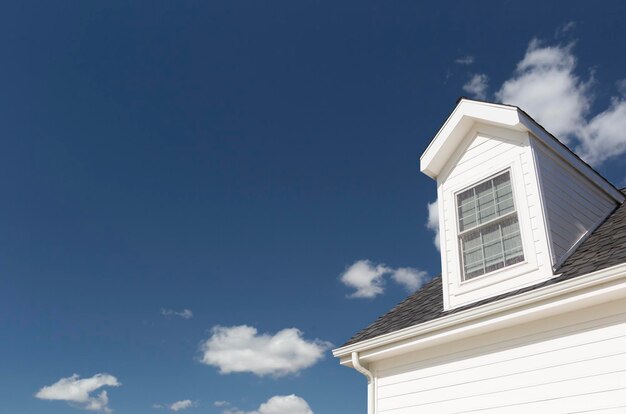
x,y
529,313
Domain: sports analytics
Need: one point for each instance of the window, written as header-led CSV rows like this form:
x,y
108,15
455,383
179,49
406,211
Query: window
x,y
489,234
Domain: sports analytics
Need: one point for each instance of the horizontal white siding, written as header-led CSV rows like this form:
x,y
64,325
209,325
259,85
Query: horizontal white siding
x,y
568,364
574,206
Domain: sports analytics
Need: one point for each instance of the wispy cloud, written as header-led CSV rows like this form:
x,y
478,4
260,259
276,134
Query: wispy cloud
x,y
243,349
465,60
280,404
432,222
177,406
78,392
565,29
477,86
368,278
185,313
546,85
621,86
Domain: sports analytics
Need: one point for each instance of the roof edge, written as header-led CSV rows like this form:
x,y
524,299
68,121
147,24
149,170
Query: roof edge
x,y
454,128
432,330
468,111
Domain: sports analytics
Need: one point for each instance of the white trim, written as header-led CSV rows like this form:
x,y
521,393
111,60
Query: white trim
x,y
468,111
582,238
462,292
443,245
455,195
545,223
457,125
579,292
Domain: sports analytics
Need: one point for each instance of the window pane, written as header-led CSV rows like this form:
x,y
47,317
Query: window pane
x,y
472,254
485,202
512,241
504,194
467,209
491,247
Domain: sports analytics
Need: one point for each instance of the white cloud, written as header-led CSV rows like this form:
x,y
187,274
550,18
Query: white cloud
x,y
185,313
78,392
546,86
409,277
432,222
366,278
465,60
242,349
280,404
221,403
181,405
287,404
477,86
604,136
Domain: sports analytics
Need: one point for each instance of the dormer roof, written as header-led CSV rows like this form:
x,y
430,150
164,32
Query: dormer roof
x,y
468,112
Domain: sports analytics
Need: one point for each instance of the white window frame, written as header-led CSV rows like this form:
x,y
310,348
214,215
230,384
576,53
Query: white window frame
x,y
459,233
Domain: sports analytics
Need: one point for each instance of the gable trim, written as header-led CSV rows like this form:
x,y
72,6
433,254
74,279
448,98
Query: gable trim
x,y
468,111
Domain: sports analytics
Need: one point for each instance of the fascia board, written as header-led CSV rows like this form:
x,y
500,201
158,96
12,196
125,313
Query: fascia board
x,y
582,291
556,146
456,127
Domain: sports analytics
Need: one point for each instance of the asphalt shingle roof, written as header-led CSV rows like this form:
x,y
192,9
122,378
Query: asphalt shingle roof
x,y
604,248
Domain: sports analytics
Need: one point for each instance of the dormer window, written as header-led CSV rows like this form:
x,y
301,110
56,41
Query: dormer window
x,y
489,231
530,203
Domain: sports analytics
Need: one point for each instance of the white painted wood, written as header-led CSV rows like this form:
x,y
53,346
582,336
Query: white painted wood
x,y
566,364
573,205
557,208
456,126
488,150
468,111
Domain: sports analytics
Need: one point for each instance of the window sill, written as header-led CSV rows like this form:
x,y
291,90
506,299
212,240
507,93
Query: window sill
x,y
495,277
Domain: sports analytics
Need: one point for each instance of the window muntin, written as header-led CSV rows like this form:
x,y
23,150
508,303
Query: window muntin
x,y
489,233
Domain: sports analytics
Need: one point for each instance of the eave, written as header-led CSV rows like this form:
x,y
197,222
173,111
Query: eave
x,y
581,292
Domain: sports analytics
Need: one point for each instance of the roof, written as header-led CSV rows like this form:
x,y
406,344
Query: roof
x,y
605,247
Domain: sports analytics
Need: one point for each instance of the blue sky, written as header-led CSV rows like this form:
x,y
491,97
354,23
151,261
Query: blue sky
x,y
189,185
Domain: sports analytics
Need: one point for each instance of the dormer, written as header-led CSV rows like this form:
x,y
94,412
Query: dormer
x,y
513,201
